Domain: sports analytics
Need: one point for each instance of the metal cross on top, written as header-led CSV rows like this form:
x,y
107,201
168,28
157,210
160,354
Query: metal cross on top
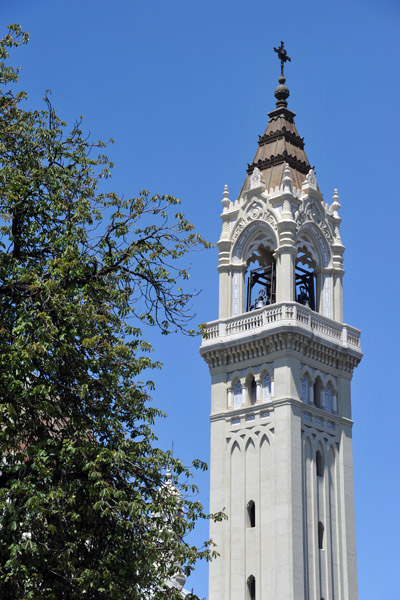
x,y
282,55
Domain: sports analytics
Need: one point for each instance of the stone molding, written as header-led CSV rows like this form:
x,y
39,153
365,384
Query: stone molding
x,y
282,339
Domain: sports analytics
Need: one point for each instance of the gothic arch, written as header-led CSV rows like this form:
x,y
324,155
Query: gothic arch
x,y
313,374
307,438
305,369
311,239
306,383
254,235
328,388
250,371
251,389
235,447
242,438
235,393
318,441
330,380
267,368
256,243
250,443
265,440
331,452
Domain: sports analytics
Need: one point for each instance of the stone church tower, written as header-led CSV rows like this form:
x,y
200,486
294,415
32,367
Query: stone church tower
x,y
281,362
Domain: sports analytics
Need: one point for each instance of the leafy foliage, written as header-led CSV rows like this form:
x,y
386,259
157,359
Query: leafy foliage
x,y
83,509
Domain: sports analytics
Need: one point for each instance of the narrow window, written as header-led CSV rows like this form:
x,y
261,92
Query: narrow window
x,y
251,514
320,464
320,536
251,588
253,391
317,393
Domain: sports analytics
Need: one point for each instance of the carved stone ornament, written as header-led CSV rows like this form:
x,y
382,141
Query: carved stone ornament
x,y
254,211
287,180
271,220
312,180
238,230
322,246
326,230
255,179
308,212
238,249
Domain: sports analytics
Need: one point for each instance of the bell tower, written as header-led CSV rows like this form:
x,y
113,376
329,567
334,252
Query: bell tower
x,y
281,362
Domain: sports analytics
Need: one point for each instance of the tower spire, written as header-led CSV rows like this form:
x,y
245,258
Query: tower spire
x,y
282,91
280,144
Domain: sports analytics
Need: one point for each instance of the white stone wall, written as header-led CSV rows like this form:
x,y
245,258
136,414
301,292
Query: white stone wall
x,y
266,453
281,393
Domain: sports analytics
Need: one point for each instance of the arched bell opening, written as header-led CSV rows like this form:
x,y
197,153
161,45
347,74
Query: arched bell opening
x,y
261,279
305,288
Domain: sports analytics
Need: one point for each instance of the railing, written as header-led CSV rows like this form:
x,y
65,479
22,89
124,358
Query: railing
x,y
282,313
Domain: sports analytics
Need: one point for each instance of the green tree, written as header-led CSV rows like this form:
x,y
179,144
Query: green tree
x,y
83,512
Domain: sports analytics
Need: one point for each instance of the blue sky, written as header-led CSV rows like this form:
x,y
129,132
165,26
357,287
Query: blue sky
x,y
184,88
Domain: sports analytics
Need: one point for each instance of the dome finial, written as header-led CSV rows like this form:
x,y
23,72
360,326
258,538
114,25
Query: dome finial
x,y
282,91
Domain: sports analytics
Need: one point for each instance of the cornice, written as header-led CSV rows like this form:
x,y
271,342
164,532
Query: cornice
x,y
299,165
273,404
284,339
287,114
291,137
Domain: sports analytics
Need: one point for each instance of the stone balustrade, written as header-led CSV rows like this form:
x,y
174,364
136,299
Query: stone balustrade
x,y
285,313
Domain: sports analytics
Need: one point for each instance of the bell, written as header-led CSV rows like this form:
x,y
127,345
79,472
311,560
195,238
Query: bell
x,y
302,297
260,302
